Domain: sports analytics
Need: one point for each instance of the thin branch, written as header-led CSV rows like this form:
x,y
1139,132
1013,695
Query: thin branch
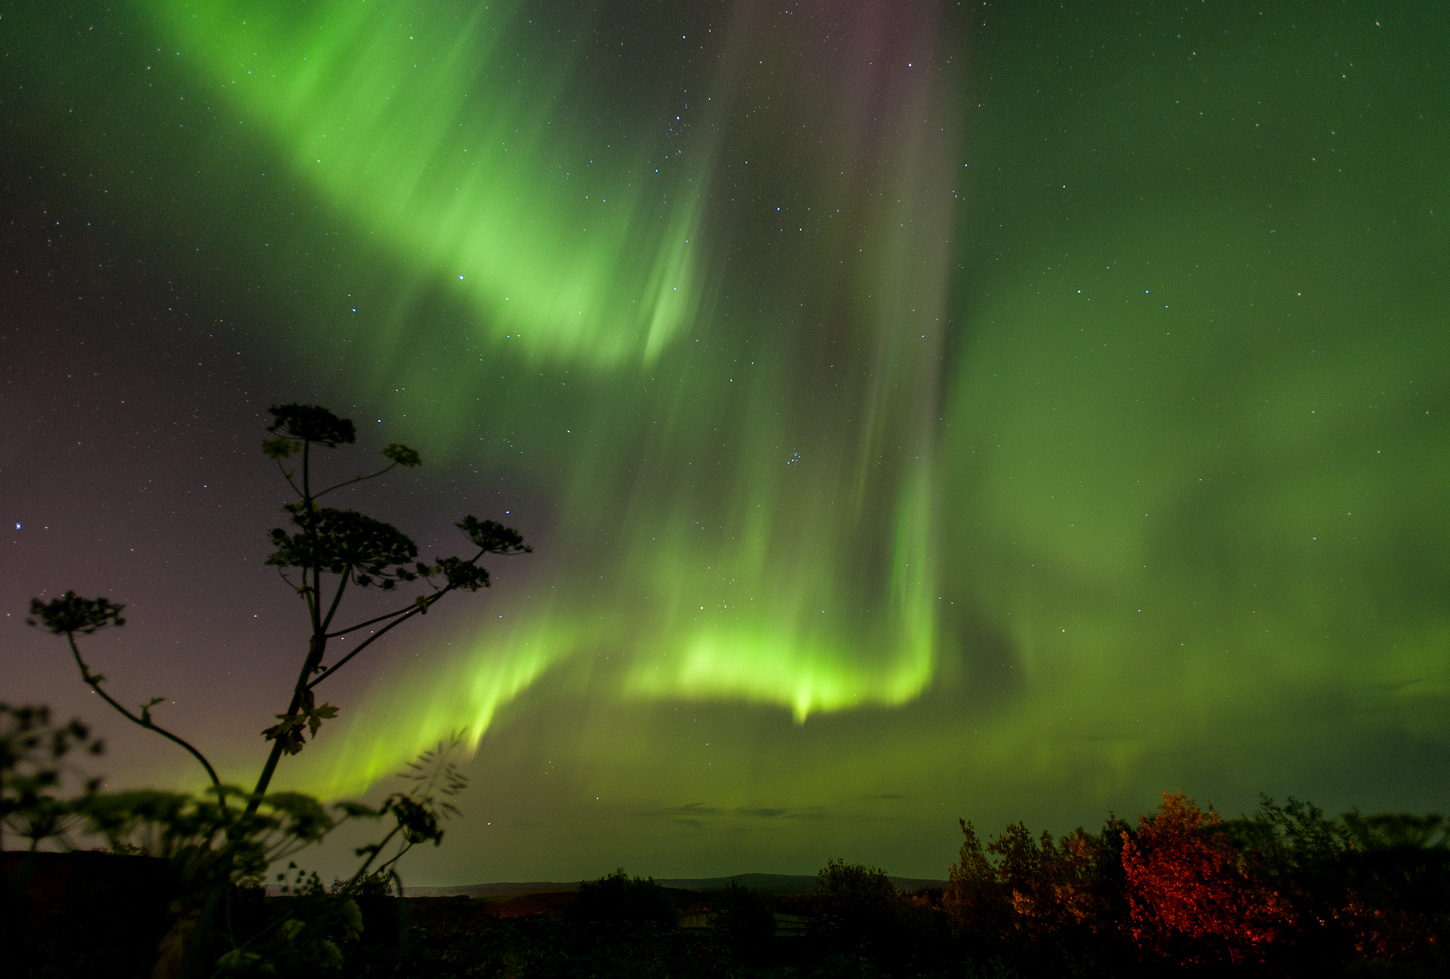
x,y
438,592
275,755
306,493
362,871
337,598
400,616
288,476
356,479
389,864
94,683
286,849
282,573
313,594
360,625
376,636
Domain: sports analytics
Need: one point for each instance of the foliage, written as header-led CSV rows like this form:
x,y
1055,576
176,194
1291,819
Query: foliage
x,y
220,849
33,766
222,843
330,549
345,541
72,615
1396,874
856,894
369,886
621,899
861,916
1031,899
304,932
1285,890
1181,892
744,920
1191,895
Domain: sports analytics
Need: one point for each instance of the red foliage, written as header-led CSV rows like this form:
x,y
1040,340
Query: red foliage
x,y
1191,896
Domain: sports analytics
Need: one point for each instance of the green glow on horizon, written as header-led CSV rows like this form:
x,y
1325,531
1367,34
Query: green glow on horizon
x,y
466,693
462,705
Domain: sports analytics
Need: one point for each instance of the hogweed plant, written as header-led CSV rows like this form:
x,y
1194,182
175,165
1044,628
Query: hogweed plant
x,y
230,835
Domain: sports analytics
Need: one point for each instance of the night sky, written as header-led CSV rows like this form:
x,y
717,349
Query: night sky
x,y
918,410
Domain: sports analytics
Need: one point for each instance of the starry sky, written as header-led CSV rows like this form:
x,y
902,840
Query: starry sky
x,y
918,410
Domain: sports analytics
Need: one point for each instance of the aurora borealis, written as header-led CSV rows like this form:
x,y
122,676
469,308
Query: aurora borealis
x,y
918,410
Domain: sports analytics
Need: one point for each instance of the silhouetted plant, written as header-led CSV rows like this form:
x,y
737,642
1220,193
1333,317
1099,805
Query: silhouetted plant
x,y
229,836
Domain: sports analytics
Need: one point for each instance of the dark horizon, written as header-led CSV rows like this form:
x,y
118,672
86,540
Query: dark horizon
x,y
765,883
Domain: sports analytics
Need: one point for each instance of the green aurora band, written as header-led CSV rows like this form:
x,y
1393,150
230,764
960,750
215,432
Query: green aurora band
x,y
738,585
938,419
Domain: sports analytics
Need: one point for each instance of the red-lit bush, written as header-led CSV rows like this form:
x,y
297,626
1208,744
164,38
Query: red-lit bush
x,y
1192,897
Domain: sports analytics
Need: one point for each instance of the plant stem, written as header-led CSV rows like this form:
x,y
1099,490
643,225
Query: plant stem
x,y
94,683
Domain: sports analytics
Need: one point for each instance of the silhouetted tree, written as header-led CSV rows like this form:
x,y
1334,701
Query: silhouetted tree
x,y
621,899
861,911
1030,901
745,920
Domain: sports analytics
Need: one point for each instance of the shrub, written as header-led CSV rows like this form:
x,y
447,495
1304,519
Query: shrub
x,y
1192,897
622,899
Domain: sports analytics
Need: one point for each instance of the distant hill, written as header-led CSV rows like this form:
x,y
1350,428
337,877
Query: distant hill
x,y
765,883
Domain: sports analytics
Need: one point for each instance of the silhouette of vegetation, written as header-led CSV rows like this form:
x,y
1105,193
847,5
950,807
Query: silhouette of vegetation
x,y
220,844
1035,900
860,910
620,899
33,768
745,921
1284,891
